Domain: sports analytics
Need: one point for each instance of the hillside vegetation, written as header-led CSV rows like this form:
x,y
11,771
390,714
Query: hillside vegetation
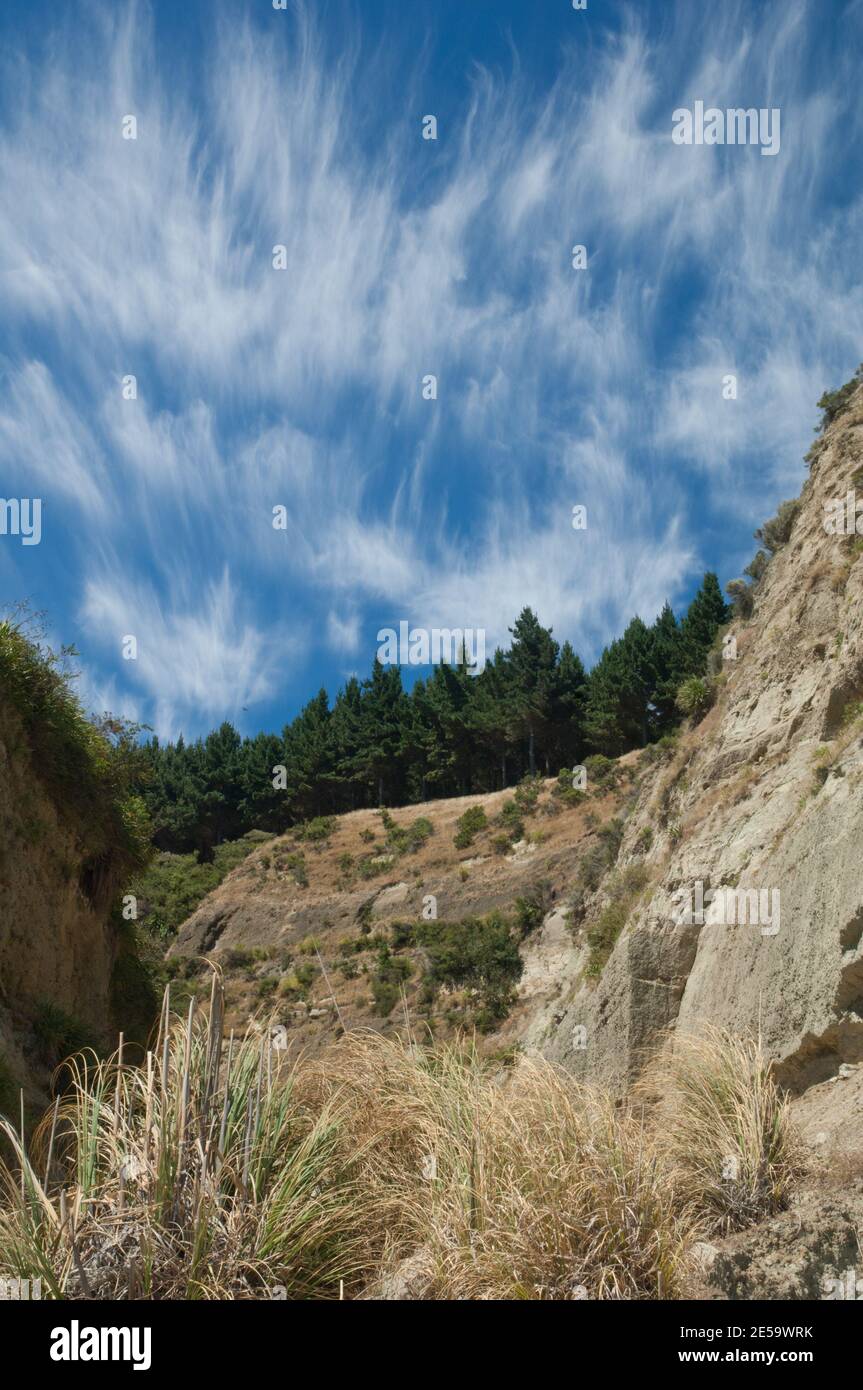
x,y
381,1165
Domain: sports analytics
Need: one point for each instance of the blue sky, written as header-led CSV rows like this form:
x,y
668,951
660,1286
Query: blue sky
x,y
405,257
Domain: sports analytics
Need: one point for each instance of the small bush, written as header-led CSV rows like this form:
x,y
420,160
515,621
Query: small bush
x,y
645,840
603,773
526,794
601,937
564,791
833,403
369,867
297,867
611,838
776,532
418,832
469,824
510,819
317,830
757,567
694,697
742,598
403,934
531,908
238,958
389,975
623,892
365,913
477,954
58,1035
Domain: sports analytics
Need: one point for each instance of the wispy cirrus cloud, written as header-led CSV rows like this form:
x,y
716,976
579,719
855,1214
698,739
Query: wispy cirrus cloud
x,y
301,388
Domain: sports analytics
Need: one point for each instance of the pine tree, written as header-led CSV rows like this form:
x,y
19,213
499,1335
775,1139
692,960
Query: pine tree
x,y
619,691
309,759
532,659
490,721
346,742
568,701
383,717
219,768
262,806
707,612
669,665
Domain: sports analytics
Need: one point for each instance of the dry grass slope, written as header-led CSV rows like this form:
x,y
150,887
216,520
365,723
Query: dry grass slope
x,y
220,1169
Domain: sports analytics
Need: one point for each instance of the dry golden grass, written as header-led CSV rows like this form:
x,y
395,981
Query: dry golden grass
x,y
532,1188
723,1128
221,1171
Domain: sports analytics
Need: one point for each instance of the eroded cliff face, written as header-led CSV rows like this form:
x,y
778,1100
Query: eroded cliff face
x,y
765,794
56,945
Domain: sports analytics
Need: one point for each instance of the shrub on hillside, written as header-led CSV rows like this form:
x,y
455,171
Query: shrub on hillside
x,y
742,598
564,790
532,906
776,532
297,866
833,403
526,794
407,839
623,892
694,697
757,567
478,954
470,823
602,773
388,977
510,818
317,830
91,768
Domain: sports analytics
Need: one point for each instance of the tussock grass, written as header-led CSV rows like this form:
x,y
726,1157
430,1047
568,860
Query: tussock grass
x,y
197,1175
537,1188
221,1169
723,1128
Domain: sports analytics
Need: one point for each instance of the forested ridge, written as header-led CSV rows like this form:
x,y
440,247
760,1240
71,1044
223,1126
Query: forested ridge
x,y
534,708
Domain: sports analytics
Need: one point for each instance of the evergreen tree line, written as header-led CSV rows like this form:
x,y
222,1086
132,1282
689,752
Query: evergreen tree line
x,y
534,708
